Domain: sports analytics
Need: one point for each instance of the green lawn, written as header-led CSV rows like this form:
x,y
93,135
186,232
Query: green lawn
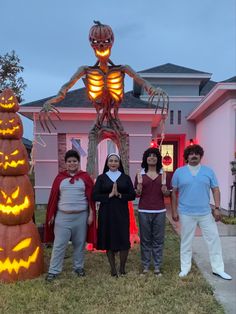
x,y
98,292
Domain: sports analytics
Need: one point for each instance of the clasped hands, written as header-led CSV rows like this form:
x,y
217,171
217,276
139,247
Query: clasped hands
x,y
114,191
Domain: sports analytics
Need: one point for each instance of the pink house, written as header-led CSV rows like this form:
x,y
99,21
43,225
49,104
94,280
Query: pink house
x,y
197,106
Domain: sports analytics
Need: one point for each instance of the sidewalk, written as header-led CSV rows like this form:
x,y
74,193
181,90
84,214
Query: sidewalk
x,y
224,291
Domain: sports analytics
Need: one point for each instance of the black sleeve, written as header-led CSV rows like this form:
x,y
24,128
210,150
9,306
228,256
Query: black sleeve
x,y
98,194
130,194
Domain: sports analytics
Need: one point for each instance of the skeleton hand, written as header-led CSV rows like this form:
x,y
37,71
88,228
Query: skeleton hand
x,y
161,96
44,116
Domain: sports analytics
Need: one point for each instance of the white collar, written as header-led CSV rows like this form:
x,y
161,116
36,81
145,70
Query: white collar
x,y
113,175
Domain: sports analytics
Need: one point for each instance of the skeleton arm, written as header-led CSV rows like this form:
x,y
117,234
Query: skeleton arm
x,y
48,107
64,89
151,90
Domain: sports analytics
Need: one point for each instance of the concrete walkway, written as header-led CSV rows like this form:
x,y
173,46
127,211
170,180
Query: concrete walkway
x,y
224,290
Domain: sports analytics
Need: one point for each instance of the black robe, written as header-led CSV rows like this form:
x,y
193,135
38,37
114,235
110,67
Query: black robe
x,y
113,214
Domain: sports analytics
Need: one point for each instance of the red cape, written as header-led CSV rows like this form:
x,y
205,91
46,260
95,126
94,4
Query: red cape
x,y
53,202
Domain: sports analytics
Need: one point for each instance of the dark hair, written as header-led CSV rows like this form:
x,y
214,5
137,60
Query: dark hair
x,y
197,149
72,153
106,168
147,153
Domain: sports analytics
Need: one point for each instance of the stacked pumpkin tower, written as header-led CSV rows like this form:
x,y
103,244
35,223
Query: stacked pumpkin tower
x,y
21,254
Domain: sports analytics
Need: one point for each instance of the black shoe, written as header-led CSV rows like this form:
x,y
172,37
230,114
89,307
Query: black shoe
x,y
80,272
122,273
50,277
114,274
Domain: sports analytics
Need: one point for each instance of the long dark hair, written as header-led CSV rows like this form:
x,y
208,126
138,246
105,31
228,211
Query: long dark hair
x,y
106,168
147,153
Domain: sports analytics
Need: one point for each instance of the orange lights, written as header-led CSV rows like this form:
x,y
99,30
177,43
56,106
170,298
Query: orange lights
x,y
104,53
98,82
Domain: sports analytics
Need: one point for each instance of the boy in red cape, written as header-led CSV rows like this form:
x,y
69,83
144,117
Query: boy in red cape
x,y
68,215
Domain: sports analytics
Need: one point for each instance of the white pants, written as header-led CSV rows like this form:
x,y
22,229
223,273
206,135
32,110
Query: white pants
x,y
211,236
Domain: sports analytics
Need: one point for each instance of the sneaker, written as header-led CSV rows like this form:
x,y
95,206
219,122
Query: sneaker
x,y
223,275
80,272
50,277
183,274
145,271
157,272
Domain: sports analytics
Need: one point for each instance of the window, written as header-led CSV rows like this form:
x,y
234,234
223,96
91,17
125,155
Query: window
x,y
172,117
179,117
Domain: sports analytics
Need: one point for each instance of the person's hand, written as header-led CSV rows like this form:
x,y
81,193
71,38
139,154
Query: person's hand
x,y
164,188
90,218
216,214
51,221
116,193
139,177
114,190
175,215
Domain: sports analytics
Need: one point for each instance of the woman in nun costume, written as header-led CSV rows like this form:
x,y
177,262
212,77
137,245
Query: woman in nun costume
x,y
113,189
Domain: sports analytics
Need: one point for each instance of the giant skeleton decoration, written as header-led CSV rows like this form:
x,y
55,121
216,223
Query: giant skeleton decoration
x,y
105,88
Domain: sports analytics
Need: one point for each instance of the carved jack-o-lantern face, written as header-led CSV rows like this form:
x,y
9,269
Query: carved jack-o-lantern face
x,y
16,200
8,101
101,38
20,252
10,125
13,158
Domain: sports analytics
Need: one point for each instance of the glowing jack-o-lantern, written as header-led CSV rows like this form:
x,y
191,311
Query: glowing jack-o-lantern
x,y
16,200
13,158
101,38
21,255
10,125
8,101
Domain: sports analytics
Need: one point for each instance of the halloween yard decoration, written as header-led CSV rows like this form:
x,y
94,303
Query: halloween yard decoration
x,y
21,255
20,252
8,101
10,126
105,88
16,200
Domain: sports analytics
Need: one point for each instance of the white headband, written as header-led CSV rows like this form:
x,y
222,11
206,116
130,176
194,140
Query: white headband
x,y
113,154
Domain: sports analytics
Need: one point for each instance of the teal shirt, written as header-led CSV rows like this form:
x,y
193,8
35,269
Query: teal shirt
x,y
194,191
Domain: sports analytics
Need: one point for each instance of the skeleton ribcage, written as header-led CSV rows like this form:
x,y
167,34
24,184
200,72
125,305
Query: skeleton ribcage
x,y
101,86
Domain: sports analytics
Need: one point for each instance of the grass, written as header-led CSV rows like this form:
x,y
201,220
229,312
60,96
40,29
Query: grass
x,y
98,292
228,220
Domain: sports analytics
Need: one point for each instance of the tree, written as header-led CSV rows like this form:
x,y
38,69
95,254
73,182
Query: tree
x,y
10,69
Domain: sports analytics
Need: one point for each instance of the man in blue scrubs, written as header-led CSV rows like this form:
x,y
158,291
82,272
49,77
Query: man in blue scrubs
x,y
193,182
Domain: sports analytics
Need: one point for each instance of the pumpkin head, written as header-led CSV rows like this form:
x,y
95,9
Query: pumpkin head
x,y
10,125
16,200
101,38
8,101
13,158
21,254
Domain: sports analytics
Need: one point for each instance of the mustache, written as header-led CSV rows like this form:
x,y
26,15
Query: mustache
x,y
194,158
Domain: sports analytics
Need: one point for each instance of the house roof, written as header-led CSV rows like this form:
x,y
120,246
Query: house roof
x,y
78,98
27,143
171,68
230,80
207,87
208,103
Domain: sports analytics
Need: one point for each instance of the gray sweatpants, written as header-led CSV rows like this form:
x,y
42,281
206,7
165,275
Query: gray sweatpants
x,y
68,226
152,233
